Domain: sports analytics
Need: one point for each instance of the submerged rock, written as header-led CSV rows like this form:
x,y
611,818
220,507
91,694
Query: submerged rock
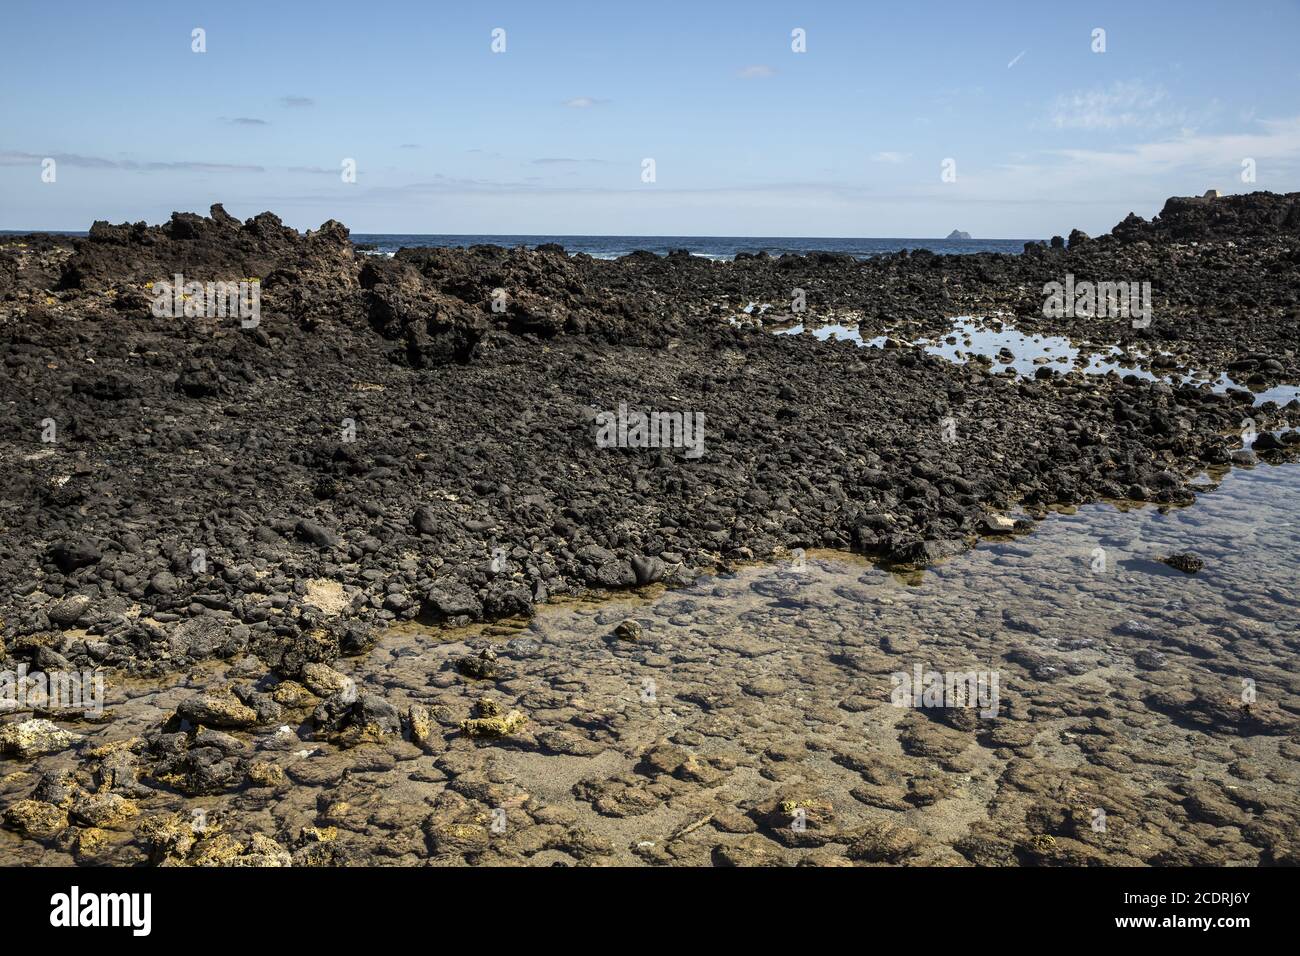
x,y
488,720
1187,562
895,452
1226,713
628,630
482,666
353,719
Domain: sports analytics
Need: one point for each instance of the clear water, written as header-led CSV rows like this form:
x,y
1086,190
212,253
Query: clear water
x,y
1122,689
1028,352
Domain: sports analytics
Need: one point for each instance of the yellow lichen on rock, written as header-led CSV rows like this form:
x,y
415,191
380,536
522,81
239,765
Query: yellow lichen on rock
x,y
488,720
266,774
33,818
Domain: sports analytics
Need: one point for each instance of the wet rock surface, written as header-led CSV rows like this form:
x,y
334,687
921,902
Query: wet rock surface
x,y
1141,717
235,523
387,446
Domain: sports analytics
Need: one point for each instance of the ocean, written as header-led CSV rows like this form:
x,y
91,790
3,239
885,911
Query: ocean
x,y
709,247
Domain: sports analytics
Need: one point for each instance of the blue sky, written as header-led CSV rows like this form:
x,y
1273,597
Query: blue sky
x,y
748,137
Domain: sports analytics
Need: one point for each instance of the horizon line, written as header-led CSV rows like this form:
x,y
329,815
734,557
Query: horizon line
x,y
572,235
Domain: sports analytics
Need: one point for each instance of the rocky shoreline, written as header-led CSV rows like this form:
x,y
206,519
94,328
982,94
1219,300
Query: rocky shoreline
x,y
414,440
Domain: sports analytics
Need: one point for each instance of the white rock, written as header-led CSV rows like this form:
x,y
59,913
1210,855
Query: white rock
x,y
998,524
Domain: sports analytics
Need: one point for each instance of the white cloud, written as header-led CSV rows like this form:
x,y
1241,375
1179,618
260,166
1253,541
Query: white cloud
x,y
757,71
16,158
1131,105
1278,140
889,156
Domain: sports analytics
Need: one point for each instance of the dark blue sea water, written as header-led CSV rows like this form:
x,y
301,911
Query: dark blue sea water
x,y
710,247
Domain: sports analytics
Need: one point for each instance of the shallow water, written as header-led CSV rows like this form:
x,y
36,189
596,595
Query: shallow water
x,y
849,333
973,337
769,688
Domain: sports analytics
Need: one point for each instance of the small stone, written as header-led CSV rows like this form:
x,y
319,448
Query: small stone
x,y
425,521
1134,628
31,738
797,820
1149,660
323,680
998,524
648,570
225,850
316,534
880,842
72,555
213,711
765,687
48,659
397,603
663,758
628,630
103,810
451,599
754,851
482,667
291,694
164,582
457,838
318,835
34,818
65,612
87,842
695,770
563,742
418,719
57,787
488,721
265,774
732,821
168,838
1187,562
522,647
